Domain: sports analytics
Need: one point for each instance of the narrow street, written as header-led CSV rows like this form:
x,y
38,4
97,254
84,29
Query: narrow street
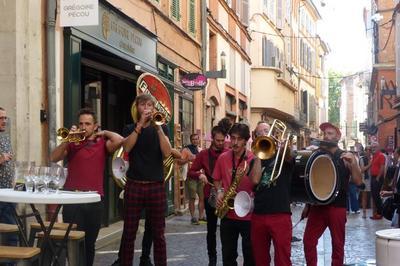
x,y
186,243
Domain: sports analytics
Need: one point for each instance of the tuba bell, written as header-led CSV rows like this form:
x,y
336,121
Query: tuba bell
x,y
119,166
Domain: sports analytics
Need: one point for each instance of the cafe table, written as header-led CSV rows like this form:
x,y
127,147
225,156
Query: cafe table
x,y
59,199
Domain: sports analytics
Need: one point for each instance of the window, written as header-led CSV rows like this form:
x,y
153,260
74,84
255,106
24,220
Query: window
x,y
243,76
270,54
186,119
175,9
289,11
244,12
242,109
230,103
279,14
192,17
166,71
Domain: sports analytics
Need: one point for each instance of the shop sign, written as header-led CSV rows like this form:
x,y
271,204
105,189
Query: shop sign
x,y
120,33
194,81
79,12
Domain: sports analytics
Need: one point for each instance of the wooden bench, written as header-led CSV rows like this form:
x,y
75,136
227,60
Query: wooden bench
x,y
8,228
5,231
8,253
75,245
36,228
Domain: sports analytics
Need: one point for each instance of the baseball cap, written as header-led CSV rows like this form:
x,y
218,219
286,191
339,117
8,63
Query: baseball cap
x,y
327,125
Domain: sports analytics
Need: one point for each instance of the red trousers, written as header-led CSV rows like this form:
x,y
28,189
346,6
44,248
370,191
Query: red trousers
x,y
319,218
275,227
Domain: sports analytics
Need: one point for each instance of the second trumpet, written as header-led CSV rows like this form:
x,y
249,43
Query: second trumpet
x,y
65,135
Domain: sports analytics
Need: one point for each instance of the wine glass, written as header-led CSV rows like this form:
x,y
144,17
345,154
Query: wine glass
x,y
44,173
57,177
34,174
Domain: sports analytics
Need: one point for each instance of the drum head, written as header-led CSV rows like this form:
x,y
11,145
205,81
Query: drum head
x,y
322,178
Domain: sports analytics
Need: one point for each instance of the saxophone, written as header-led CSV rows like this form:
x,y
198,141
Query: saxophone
x,y
229,196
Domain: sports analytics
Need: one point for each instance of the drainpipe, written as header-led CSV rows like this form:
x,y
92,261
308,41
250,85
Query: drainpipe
x,y
204,59
51,7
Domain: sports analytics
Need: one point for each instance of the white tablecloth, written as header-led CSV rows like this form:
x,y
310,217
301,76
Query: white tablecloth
x,y
64,197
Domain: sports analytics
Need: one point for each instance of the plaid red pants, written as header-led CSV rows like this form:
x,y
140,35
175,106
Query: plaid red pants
x,y
152,198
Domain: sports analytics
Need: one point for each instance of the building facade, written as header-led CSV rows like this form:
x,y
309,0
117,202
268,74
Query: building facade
x,y
353,109
288,66
228,49
382,92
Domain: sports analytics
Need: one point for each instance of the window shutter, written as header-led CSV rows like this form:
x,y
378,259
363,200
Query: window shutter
x,y
264,51
245,12
192,18
175,9
279,21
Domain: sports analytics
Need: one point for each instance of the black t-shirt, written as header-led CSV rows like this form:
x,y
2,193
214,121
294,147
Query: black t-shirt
x,y
274,199
146,158
344,177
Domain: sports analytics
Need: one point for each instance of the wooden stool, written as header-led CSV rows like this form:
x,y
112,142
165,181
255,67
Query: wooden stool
x,y
75,247
36,228
6,229
29,254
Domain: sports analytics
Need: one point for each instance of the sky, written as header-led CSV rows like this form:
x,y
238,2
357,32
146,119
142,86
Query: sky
x,y
342,27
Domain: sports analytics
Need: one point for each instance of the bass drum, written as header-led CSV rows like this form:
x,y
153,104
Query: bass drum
x,y
315,178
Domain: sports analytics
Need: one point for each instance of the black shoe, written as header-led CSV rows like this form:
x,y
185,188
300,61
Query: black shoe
x,y
145,262
295,239
116,263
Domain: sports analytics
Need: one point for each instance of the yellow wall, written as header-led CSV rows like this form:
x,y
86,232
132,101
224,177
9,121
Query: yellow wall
x,y
268,92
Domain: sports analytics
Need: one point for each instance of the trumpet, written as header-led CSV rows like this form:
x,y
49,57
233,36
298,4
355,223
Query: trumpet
x,y
65,135
158,118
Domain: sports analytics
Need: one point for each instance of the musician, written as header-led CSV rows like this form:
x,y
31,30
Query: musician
x,y
86,163
228,166
332,215
146,144
271,219
202,168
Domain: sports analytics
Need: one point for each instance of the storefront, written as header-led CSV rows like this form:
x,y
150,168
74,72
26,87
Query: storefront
x,y
101,67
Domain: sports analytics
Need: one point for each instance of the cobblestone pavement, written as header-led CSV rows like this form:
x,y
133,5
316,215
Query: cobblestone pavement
x,y
186,243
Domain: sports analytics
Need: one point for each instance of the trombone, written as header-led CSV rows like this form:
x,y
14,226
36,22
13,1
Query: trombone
x,y
274,145
65,135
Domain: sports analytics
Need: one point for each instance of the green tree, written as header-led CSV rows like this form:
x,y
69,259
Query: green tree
x,y
334,97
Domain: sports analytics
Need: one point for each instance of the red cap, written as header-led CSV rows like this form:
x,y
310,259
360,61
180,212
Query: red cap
x,y
326,125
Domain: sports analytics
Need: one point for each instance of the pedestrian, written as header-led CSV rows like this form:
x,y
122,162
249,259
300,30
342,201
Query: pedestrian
x,y
377,172
6,177
352,197
202,168
365,165
271,218
394,189
147,145
332,215
86,163
231,173
193,185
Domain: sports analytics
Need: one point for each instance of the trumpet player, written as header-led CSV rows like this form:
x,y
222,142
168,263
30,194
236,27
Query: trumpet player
x,y
147,144
231,175
86,163
271,219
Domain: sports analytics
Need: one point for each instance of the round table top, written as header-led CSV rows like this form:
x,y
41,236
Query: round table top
x,y
393,233
63,197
